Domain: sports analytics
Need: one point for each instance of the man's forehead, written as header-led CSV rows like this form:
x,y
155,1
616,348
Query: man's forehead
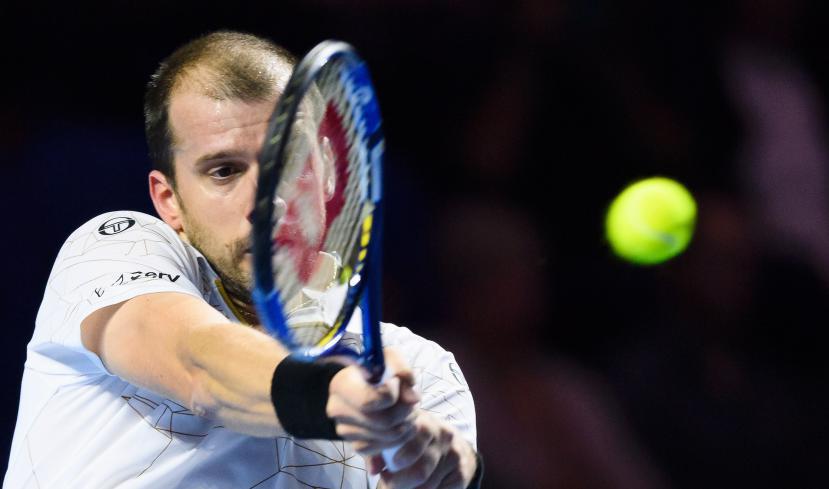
x,y
221,79
195,115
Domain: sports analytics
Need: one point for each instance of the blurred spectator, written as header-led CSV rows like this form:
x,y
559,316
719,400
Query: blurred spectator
x,y
784,158
544,420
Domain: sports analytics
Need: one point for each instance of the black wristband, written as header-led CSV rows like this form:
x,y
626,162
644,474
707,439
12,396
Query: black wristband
x,y
299,391
475,483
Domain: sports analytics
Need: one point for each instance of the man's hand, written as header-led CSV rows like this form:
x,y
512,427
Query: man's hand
x,y
374,417
436,456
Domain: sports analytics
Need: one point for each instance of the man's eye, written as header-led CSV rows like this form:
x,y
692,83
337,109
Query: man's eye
x,y
223,172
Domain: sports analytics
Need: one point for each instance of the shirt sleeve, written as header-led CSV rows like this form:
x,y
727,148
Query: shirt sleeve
x,y
110,259
440,382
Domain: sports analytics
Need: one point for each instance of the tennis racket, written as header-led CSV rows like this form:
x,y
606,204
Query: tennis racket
x,y
318,210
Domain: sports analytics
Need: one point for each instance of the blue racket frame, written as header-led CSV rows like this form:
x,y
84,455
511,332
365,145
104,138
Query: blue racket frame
x,y
364,287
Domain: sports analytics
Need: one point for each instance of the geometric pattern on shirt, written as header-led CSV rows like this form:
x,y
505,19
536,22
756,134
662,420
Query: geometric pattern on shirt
x,y
339,454
436,390
174,419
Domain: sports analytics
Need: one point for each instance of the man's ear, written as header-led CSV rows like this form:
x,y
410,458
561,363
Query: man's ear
x,y
165,200
329,172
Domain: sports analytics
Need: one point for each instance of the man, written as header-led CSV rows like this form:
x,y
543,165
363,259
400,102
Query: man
x,y
138,374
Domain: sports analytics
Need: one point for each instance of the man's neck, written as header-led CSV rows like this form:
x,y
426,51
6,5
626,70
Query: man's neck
x,y
238,301
246,310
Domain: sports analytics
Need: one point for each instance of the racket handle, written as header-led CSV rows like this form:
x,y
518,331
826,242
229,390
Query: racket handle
x,y
389,453
388,457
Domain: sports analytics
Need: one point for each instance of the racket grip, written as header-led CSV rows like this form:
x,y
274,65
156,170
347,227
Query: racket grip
x,y
388,457
389,453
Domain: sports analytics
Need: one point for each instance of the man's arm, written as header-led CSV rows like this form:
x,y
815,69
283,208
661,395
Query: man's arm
x,y
177,345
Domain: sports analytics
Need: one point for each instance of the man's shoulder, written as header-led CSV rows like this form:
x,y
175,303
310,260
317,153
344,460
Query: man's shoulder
x,y
394,334
416,348
127,245
122,233
123,225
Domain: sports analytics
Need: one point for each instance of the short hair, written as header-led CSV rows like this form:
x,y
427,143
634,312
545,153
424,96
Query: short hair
x,y
224,65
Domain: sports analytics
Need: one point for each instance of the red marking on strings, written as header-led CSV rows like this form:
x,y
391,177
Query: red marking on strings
x,y
332,128
303,247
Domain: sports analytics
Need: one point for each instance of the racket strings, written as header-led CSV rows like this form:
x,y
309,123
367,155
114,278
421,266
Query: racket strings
x,y
344,233
295,255
333,108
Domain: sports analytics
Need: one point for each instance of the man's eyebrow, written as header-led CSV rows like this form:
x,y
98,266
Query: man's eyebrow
x,y
218,155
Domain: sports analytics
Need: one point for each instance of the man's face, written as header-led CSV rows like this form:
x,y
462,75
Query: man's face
x,y
215,149
216,146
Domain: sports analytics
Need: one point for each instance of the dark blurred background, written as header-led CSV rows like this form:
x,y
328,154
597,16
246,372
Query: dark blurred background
x,y
510,126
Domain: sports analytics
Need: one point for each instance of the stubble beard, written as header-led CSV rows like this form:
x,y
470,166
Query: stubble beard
x,y
226,261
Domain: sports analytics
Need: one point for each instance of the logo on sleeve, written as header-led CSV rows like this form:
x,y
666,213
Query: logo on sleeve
x,y
137,275
116,225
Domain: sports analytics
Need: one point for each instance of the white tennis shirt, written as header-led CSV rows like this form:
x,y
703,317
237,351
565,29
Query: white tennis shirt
x,y
79,426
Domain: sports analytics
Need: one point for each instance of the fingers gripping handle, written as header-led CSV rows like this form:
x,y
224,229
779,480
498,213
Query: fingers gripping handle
x,y
389,453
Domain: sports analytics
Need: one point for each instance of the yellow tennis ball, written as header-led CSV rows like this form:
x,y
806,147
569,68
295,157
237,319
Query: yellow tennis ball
x,y
651,221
